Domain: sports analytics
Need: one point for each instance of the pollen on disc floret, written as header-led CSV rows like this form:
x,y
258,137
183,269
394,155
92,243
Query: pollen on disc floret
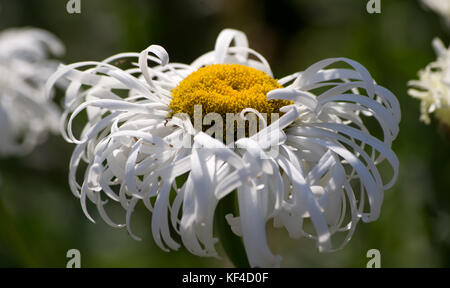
x,y
226,88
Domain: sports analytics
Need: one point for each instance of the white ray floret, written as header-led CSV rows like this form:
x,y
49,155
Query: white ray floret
x,y
325,171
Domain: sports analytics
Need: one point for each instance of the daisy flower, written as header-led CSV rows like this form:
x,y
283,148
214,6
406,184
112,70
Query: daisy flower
x,y
313,170
26,115
433,86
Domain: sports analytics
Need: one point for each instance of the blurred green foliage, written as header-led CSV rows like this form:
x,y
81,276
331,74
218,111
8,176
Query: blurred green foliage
x,y
40,219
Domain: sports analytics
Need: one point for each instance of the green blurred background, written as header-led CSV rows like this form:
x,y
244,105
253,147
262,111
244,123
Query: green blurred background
x,y
40,220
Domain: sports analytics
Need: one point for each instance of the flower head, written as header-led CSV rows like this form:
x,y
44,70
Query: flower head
x,y
433,86
317,162
26,115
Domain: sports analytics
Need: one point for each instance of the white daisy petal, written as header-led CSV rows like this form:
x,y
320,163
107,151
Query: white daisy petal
x,y
253,222
224,41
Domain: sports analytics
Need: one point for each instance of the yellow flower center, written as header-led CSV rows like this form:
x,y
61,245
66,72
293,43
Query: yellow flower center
x,y
226,88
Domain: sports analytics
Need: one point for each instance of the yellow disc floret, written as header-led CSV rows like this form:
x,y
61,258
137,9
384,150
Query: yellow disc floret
x,y
226,88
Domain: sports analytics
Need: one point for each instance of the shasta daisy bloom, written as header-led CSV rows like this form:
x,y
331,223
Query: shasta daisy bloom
x,y
26,115
313,170
433,86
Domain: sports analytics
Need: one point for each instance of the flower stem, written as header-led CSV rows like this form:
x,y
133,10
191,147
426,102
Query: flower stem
x,y
232,244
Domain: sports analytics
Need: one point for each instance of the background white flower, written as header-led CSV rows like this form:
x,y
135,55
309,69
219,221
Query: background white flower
x,y
26,115
321,183
441,7
433,86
